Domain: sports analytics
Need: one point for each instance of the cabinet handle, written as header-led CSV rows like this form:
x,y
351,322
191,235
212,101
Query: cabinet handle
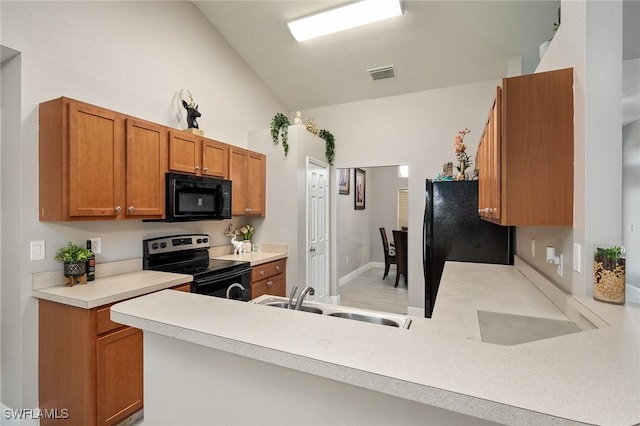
x,y
131,208
197,168
277,269
247,210
487,210
261,272
118,209
205,169
269,283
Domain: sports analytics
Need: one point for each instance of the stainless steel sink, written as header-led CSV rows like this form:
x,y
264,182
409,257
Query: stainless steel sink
x,y
365,318
285,305
382,318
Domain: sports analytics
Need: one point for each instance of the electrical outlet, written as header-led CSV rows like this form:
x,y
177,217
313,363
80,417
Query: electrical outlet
x,y
96,245
533,248
576,257
37,250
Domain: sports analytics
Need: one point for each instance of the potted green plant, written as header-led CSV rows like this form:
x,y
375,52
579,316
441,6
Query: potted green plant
x,y
609,267
74,258
280,130
247,232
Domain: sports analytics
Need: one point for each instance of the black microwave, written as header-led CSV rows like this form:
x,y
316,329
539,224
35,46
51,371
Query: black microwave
x,y
191,198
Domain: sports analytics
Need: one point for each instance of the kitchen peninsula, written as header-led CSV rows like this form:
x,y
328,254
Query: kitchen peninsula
x,y
216,361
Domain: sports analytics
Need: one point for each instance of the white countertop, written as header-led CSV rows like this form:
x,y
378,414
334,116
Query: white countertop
x,y
256,258
589,377
111,289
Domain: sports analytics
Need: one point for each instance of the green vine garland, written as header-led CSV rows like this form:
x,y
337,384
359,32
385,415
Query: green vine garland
x,y
280,130
330,144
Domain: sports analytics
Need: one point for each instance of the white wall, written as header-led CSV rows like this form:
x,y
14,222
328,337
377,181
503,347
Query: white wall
x,y
286,185
132,57
415,129
631,199
590,41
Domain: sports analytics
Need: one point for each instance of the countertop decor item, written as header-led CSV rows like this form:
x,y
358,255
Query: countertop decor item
x,y
247,232
192,114
609,273
73,257
459,148
280,131
233,233
330,145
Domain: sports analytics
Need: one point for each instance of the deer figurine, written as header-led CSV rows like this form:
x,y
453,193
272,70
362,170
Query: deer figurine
x,y
233,233
192,111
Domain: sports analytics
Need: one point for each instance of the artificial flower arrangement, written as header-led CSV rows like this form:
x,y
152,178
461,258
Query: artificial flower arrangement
x,y
459,148
247,232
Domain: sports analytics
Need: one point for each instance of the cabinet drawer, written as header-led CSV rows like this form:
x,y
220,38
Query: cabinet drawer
x,y
274,286
266,270
103,320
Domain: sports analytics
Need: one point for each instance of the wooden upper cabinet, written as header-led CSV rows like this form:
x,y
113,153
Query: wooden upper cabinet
x,y
528,172
215,158
96,164
146,164
194,154
247,171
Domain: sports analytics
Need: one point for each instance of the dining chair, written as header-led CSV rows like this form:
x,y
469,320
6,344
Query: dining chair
x,y
400,239
389,255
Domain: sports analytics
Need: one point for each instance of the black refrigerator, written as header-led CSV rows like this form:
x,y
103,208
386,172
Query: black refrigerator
x,y
453,230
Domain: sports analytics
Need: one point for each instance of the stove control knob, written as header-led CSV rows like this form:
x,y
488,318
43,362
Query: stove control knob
x,y
206,240
154,246
199,241
163,245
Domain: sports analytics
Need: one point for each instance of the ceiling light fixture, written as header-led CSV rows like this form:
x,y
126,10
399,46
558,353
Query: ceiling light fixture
x,y
343,18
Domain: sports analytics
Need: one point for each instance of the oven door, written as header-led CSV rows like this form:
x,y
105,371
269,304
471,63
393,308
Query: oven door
x,y
234,285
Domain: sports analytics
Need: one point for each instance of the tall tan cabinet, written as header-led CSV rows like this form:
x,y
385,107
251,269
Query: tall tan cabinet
x,y
525,156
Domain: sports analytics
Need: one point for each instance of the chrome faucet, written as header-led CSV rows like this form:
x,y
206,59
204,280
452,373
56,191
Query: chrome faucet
x,y
234,285
306,290
291,296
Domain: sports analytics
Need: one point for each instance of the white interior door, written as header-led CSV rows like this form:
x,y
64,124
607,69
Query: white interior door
x,y
318,228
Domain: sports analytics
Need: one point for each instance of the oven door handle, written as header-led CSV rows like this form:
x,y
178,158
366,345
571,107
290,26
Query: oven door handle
x,y
232,286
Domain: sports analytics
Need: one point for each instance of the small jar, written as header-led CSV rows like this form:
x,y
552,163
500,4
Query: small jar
x,y
609,273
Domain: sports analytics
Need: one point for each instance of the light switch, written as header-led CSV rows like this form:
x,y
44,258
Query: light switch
x,y
576,257
37,250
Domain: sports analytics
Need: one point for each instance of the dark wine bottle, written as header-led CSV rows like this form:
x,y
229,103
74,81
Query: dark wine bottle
x,y
91,264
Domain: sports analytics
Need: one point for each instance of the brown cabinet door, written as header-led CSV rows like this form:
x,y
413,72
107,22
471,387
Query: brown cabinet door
x,y
274,286
146,164
238,161
119,375
215,158
184,152
96,159
256,171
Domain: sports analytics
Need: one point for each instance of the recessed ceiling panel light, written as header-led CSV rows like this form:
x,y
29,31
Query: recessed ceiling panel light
x,y
343,18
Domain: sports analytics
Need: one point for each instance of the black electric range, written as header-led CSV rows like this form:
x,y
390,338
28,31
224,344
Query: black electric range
x,y
189,254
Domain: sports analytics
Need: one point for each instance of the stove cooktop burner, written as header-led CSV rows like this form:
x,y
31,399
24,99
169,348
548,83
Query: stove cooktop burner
x,y
211,266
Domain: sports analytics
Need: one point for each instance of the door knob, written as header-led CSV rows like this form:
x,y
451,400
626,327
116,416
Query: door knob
x,y
312,249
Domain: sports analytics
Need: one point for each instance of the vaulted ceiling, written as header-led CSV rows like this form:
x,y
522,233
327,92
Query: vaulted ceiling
x,y
433,44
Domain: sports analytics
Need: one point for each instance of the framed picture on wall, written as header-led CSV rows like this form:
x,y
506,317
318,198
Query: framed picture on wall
x,y
360,189
343,181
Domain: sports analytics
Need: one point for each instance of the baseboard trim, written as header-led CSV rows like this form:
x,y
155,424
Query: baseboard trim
x,y
351,275
415,312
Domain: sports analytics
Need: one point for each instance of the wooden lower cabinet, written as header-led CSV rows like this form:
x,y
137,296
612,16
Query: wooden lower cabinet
x,y
88,365
119,375
269,278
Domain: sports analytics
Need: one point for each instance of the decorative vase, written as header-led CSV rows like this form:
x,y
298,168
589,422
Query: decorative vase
x,y
74,269
609,273
246,246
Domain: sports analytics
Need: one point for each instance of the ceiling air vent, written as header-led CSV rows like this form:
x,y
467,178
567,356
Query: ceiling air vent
x,y
382,72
